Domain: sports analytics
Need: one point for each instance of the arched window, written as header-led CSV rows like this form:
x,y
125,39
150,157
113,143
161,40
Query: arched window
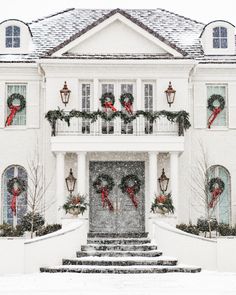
x,y
220,39
12,37
223,207
21,200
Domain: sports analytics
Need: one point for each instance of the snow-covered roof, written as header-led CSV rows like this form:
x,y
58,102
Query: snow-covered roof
x,y
55,31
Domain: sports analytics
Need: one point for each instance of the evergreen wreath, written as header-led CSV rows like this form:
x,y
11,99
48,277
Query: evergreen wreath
x,y
21,185
216,180
131,178
212,99
103,178
107,97
126,100
16,96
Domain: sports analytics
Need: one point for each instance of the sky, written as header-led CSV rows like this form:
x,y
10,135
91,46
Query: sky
x,y
201,10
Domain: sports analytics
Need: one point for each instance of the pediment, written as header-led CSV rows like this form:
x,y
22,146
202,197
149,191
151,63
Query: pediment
x,y
117,35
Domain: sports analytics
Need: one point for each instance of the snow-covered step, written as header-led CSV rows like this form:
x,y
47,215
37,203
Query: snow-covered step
x,y
118,241
150,253
119,261
121,269
117,235
92,247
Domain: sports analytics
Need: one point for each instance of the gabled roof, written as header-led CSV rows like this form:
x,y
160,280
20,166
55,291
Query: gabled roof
x,y
54,32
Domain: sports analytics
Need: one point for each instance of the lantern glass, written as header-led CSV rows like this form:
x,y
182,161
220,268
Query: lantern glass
x,y
163,182
70,182
65,94
170,94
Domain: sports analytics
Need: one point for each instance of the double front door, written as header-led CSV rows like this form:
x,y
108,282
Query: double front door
x,y
123,216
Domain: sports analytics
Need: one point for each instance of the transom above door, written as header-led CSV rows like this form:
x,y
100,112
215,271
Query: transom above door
x,y
124,217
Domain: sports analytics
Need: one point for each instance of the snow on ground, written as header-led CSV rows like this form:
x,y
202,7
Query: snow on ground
x,y
208,283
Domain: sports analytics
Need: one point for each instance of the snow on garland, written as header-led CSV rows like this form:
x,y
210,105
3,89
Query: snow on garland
x,y
14,108
126,100
131,184
104,184
216,187
180,117
215,109
16,186
107,101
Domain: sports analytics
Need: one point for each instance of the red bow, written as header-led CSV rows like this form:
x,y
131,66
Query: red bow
x,y
212,117
215,194
14,110
109,105
15,193
128,107
105,199
130,191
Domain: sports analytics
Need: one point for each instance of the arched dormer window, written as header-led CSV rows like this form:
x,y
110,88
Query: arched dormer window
x,y
220,37
12,36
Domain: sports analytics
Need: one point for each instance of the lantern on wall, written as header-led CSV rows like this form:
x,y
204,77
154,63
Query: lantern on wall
x,y
70,182
65,94
170,94
163,182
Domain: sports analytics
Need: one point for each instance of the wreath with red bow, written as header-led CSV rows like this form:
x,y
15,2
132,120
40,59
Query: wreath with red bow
x,y
213,108
108,100
216,187
126,100
131,184
16,186
13,107
104,184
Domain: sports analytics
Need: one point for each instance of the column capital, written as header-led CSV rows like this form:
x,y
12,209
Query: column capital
x,y
174,153
153,153
81,153
60,153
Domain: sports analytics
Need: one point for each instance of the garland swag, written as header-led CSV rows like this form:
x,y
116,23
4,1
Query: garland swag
x,y
180,117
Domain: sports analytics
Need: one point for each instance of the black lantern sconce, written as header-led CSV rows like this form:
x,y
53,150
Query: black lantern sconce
x,y
65,94
163,182
170,94
70,182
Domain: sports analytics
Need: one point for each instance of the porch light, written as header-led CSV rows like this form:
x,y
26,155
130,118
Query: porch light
x,y
163,182
170,94
65,94
70,182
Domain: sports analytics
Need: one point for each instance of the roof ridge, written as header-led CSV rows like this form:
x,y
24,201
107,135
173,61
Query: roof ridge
x,y
182,16
50,15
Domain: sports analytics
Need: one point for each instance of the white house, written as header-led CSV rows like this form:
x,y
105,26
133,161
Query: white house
x,y
138,52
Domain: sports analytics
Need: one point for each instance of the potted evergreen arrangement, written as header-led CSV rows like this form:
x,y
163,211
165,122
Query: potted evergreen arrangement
x,y
75,205
163,204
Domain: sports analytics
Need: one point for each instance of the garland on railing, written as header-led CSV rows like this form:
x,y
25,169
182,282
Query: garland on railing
x,y
180,117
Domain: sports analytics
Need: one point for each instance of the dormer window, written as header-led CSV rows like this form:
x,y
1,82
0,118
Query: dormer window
x,y
220,39
12,37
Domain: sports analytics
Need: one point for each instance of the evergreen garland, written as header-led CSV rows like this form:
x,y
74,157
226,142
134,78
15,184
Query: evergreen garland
x,y
180,117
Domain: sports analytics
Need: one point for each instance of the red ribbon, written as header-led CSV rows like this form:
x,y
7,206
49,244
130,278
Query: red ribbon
x,y
130,191
212,117
109,105
14,110
215,194
15,193
105,199
128,107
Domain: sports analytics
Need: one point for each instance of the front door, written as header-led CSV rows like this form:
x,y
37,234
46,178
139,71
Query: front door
x,y
125,217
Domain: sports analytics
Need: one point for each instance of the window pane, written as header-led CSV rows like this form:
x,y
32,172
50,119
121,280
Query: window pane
x,y
216,43
216,32
16,31
9,31
16,42
223,32
224,43
9,42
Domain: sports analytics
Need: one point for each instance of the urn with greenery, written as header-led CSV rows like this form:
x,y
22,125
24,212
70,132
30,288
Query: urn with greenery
x,y
76,204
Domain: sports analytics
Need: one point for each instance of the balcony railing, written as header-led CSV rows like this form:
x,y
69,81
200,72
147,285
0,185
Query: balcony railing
x,y
118,123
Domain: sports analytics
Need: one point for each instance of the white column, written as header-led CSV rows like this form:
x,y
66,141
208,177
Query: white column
x,y
152,174
81,172
174,178
60,184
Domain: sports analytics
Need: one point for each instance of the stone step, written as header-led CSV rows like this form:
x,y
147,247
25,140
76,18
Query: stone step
x,y
120,269
117,235
119,261
92,247
151,253
118,241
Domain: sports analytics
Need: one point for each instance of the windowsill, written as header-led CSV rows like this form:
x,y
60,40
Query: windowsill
x,y
13,128
218,128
